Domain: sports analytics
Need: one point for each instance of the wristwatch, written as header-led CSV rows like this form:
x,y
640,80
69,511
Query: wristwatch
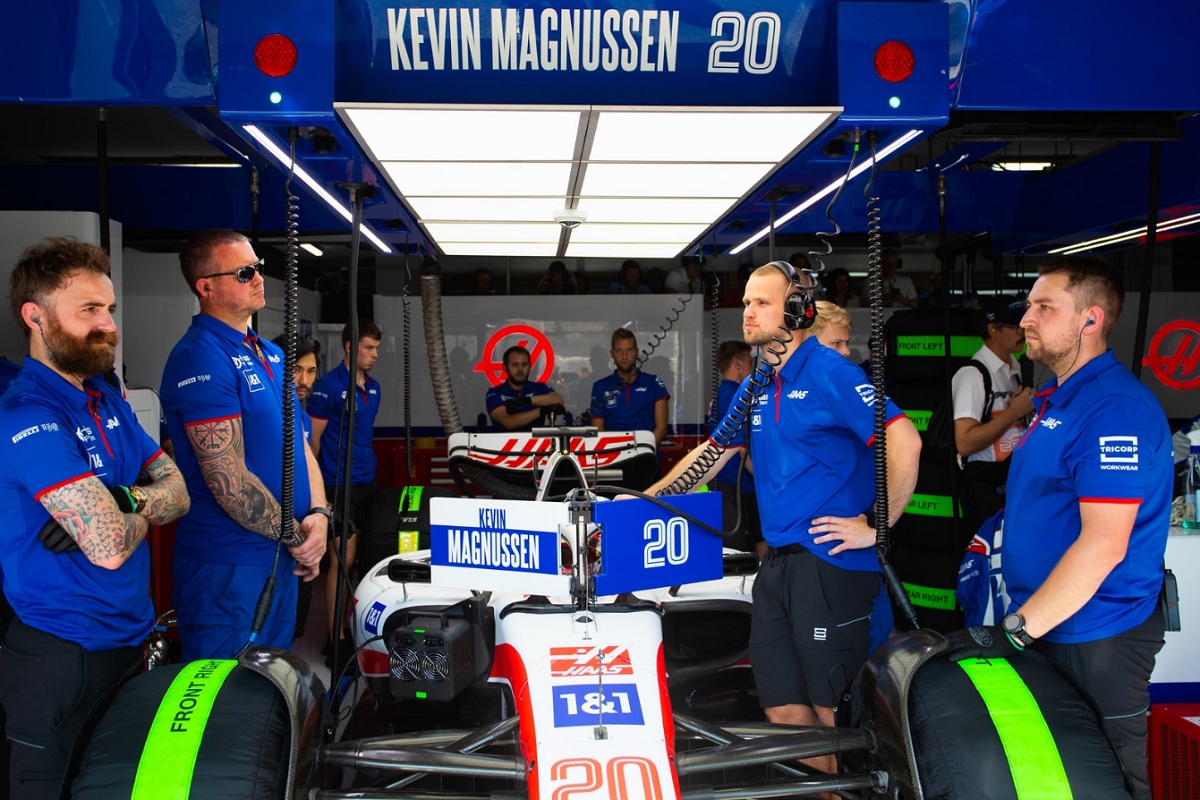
x,y
324,511
1014,625
139,498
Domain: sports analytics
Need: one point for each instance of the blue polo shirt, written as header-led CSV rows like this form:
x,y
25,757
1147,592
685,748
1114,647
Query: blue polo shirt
x,y
210,376
327,403
51,435
811,436
1101,437
497,395
727,392
627,406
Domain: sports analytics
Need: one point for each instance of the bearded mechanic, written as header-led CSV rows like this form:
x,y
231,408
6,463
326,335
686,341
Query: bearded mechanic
x,y
71,450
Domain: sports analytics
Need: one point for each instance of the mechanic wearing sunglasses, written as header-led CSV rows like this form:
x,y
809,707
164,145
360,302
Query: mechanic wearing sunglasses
x,y
222,392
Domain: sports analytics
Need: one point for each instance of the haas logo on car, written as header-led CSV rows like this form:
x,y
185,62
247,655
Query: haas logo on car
x,y
518,453
576,661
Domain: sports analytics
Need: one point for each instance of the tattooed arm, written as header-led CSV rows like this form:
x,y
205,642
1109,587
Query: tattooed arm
x,y
167,498
86,510
221,450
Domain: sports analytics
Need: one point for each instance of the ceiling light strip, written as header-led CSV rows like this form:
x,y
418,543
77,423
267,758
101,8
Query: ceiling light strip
x,y
317,188
760,234
1123,236
1181,222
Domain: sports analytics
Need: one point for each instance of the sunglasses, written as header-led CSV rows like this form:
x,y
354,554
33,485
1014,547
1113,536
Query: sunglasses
x,y
244,274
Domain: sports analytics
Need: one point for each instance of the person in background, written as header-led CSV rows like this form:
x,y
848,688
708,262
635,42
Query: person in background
x,y
629,399
811,436
629,279
222,391
72,519
736,364
838,289
832,327
898,290
1085,528
308,354
331,440
557,280
517,403
686,278
984,447
482,282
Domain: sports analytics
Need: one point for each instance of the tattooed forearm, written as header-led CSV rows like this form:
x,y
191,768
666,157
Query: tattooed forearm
x,y
167,498
220,449
86,510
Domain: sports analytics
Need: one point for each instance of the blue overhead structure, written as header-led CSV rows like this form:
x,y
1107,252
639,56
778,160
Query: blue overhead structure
x,y
996,71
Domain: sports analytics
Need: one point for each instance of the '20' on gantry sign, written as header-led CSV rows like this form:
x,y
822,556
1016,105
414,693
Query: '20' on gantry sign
x,y
518,335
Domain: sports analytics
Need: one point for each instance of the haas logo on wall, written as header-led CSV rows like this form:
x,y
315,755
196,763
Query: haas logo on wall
x,y
541,354
1174,355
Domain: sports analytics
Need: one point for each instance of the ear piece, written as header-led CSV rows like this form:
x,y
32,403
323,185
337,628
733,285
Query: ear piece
x,y
37,321
1091,320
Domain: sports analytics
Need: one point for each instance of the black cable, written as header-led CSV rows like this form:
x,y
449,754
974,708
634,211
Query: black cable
x,y
287,532
875,284
405,303
658,338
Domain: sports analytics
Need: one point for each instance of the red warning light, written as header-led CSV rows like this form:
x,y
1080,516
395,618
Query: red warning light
x,y
894,61
275,55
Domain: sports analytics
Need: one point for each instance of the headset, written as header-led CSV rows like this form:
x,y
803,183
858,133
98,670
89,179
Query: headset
x,y
800,307
1091,320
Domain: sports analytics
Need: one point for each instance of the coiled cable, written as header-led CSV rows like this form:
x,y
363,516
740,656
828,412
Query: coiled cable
x,y
875,293
406,344
658,338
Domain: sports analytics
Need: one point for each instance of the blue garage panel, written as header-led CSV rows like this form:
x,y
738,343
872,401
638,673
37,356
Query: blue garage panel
x,y
861,28
1078,55
653,52
306,93
92,52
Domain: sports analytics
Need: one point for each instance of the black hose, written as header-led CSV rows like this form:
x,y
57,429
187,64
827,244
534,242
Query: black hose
x,y
875,285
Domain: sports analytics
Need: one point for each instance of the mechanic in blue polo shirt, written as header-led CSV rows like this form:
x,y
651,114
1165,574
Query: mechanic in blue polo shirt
x,y
517,403
811,442
329,411
629,399
71,450
222,391
1089,496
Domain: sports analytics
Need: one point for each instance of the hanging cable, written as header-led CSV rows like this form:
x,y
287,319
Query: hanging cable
x,y
875,286
288,535
406,316
658,338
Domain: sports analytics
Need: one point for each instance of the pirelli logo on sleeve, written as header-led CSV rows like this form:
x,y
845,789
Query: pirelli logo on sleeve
x,y
1119,453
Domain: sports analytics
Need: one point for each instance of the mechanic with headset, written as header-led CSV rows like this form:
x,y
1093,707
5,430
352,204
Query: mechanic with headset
x,y
222,391
1088,511
328,409
71,450
811,439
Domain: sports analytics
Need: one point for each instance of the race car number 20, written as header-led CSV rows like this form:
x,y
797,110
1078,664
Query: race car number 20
x,y
612,704
666,542
621,778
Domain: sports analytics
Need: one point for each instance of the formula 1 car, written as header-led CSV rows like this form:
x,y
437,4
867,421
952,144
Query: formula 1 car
x,y
580,649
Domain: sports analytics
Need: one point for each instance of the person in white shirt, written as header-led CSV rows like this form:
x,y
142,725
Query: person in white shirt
x,y
988,426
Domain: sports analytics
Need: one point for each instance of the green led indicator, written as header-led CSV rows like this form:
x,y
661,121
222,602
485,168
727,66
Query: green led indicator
x,y
422,696
276,98
894,102
418,630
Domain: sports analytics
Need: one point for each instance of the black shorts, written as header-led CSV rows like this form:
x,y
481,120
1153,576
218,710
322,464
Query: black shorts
x,y
359,503
809,628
